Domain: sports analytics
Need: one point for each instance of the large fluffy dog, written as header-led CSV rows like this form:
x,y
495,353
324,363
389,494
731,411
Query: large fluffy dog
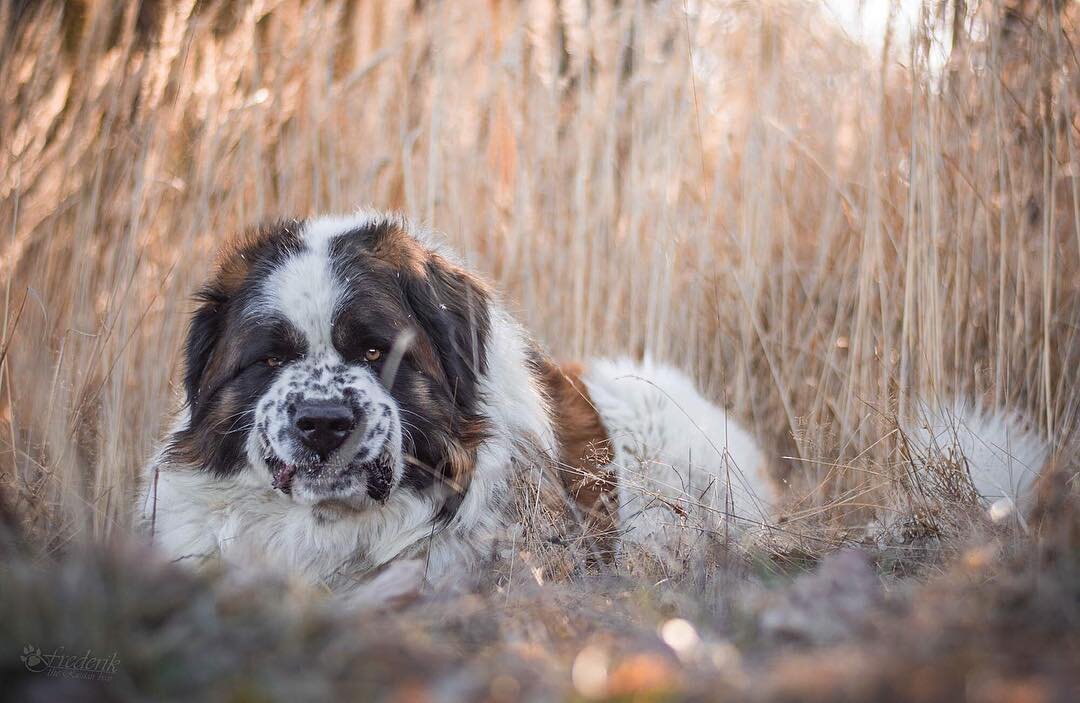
x,y
355,395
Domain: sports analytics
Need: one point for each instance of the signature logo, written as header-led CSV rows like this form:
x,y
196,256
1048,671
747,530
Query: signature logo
x,y
60,664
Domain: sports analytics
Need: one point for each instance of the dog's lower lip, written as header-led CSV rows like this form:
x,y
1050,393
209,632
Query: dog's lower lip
x,y
283,474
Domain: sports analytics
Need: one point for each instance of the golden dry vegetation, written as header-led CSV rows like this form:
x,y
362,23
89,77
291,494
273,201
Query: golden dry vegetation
x,y
821,230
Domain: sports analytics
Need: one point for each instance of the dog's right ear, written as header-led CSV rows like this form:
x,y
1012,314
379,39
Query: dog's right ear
x,y
204,333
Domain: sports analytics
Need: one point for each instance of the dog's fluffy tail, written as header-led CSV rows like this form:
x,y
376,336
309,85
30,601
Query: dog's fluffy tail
x,y
1001,451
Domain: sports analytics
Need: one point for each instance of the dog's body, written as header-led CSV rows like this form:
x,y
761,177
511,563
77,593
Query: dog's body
x,y
356,396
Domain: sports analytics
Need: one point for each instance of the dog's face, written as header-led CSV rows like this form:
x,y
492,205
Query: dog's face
x,y
337,360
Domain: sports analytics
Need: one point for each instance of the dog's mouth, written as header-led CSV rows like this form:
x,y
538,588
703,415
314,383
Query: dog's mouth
x,y
282,473
379,472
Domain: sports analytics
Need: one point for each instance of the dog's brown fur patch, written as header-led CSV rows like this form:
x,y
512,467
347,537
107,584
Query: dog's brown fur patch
x,y
401,251
585,452
238,255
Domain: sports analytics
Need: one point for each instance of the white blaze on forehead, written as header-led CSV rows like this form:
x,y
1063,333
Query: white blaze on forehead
x,y
304,289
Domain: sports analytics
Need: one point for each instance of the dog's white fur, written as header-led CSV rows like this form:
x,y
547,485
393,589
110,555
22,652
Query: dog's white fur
x,y
1003,454
685,469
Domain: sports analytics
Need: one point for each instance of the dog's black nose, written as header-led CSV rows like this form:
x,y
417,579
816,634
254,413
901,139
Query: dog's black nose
x,y
323,425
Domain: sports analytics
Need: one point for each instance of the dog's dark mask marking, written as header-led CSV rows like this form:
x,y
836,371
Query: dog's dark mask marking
x,y
394,286
224,376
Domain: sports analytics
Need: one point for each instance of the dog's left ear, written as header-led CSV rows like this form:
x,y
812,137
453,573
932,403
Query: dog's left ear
x,y
204,333
196,444
452,307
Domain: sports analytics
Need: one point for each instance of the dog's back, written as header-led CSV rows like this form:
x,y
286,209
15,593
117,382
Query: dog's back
x,y
685,470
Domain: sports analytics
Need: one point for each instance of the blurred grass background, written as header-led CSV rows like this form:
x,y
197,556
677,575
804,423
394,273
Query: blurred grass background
x,y
820,229
817,228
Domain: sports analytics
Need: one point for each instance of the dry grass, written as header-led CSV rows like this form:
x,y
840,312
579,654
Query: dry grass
x,y
820,232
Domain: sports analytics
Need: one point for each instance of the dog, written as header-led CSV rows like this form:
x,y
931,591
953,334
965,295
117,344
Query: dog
x,y
354,395
356,399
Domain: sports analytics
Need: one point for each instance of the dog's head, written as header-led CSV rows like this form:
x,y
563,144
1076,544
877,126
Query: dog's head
x,y
337,359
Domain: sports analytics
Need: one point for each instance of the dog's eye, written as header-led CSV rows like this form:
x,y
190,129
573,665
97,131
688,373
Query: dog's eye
x,y
274,361
373,355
